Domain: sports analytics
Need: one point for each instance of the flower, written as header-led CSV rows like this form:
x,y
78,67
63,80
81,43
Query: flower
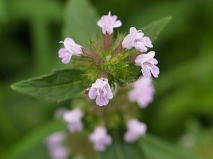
x,y
55,146
55,138
148,64
101,91
108,22
142,92
100,139
73,118
59,152
70,49
136,129
136,39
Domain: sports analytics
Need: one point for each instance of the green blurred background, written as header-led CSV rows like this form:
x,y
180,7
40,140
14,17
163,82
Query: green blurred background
x,y
182,112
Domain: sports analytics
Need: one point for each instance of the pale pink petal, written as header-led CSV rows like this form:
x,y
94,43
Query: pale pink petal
x,y
73,118
62,52
100,138
108,22
68,43
66,59
92,93
132,30
117,24
109,92
102,101
140,47
142,92
147,42
135,39
136,129
155,71
101,91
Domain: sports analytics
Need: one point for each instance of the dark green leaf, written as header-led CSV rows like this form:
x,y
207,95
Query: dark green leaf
x,y
33,139
58,86
80,21
122,150
156,149
153,30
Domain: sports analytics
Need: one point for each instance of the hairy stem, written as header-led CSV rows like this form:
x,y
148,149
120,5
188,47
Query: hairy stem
x,y
107,41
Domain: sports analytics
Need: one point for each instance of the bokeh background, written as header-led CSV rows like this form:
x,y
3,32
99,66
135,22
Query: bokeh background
x,y
182,112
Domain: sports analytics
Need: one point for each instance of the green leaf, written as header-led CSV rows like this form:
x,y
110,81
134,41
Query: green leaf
x,y
153,30
58,86
122,150
156,149
80,21
33,139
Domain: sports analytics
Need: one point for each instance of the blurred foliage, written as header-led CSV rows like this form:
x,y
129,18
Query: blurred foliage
x,y
30,31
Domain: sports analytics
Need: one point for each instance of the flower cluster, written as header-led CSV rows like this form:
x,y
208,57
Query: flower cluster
x,y
99,137
100,90
134,43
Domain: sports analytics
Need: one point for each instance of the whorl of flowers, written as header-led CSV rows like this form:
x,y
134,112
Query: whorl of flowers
x,y
100,90
113,62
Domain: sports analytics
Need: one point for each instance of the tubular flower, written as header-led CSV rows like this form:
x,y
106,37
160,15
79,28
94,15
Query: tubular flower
x,y
135,129
142,92
101,91
73,118
100,139
148,64
108,22
55,146
70,49
136,39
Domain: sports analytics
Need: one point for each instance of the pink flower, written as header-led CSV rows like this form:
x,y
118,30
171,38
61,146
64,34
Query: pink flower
x,y
55,146
142,92
70,49
136,39
148,64
55,138
73,118
59,153
101,91
136,129
100,139
108,22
